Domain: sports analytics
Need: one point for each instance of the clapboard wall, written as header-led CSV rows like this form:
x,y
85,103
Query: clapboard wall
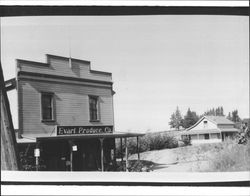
x,y
71,91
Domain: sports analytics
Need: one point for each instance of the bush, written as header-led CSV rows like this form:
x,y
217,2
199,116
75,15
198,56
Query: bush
x,y
231,157
151,141
186,141
27,161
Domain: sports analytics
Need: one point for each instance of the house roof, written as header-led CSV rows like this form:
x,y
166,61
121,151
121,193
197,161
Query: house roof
x,y
218,120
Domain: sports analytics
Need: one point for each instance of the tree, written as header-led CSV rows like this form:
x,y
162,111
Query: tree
x,y
176,119
229,117
214,112
190,118
235,116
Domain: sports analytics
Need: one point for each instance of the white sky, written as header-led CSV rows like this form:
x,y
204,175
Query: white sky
x,y
157,62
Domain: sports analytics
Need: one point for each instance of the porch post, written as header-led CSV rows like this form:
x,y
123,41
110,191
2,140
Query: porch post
x,y
121,150
102,156
71,155
37,155
138,151
126,154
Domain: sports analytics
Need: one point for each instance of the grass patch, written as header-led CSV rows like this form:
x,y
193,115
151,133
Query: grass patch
x,y
231,157
221,157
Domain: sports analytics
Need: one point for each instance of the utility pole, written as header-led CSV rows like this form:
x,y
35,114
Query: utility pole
x,y
9,152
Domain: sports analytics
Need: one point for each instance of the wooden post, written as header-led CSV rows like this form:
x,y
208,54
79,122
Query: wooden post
x,y
37,163
71,155
102,155
37,155
126,154
121,150
9,153
138,151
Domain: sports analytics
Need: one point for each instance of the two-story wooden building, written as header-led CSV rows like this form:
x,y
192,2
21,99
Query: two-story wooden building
x,y
66,114
210,129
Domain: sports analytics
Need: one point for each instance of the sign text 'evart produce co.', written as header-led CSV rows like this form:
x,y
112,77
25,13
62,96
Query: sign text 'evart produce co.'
x,y
79,130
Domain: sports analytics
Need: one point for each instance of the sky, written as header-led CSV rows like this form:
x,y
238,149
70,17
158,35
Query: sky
x,y
158,62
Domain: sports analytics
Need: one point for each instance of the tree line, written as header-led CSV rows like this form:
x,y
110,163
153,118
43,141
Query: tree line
x,y
191,117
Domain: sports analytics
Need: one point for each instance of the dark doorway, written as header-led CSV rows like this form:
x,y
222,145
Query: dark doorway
x,y
87,156
56,155
206,136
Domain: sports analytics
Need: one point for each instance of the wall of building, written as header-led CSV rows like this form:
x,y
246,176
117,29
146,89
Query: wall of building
x,y
200,126
71,105
200,138
60,66
71,96
205,141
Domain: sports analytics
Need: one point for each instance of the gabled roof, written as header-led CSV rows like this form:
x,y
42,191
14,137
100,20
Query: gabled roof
x,y
218,120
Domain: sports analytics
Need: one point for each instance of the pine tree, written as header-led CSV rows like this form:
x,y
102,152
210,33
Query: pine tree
x,y
190,118
235,116
222,111
176,119
229,117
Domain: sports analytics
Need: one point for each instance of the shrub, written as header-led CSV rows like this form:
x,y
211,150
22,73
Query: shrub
x,y
151,141
186,141
27,161
231,157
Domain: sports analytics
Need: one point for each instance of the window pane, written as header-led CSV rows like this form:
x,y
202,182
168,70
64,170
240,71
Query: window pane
x,y
206,136
47,107
47,114
93,108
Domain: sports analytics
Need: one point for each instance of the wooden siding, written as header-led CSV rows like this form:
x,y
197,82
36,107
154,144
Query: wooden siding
x,y
226,126
71,105
200,126
61,67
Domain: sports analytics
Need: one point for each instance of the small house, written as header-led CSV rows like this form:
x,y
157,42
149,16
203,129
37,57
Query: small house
x,y
210,129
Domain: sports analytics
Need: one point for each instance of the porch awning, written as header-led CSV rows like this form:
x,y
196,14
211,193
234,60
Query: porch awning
x,y
201,131
229,130
90,136
207,131
39,137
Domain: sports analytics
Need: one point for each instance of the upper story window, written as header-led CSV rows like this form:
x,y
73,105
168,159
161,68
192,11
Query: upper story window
x,y
47,106
94,108
205,124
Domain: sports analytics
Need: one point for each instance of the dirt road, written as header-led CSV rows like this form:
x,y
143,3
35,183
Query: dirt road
x,y
173,160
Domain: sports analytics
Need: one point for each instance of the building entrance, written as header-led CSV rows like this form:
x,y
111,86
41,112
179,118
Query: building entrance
x,y
77,155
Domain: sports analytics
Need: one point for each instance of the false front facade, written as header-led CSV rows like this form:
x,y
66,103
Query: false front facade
x,y
66,114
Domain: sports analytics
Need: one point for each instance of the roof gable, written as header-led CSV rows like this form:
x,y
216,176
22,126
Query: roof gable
x,y
217,120
220,120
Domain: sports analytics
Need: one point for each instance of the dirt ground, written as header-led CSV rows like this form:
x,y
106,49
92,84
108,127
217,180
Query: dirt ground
x,y
173,160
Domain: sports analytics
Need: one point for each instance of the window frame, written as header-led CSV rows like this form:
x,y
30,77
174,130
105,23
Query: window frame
x,y
97,108
206,136
52,107
205,124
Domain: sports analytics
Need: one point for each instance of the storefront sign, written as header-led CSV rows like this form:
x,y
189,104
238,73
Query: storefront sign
x,y
76,130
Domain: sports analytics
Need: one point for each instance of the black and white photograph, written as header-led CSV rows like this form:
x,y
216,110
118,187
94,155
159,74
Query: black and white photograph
x,y
131,94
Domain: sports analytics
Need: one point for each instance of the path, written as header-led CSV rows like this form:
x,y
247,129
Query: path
x,y
172,160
